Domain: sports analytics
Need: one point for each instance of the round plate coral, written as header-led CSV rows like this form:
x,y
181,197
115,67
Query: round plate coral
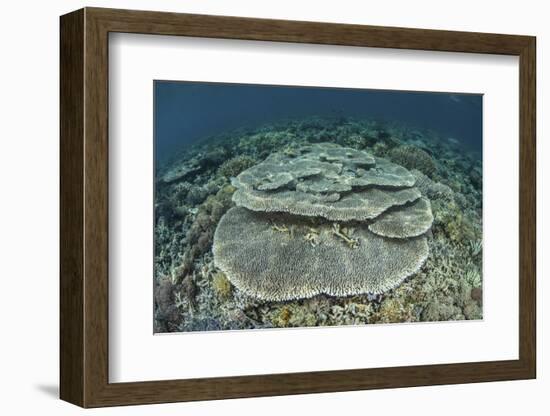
x,y
282,257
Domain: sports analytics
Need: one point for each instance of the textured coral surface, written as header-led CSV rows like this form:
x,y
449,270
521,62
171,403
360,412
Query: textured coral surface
x,y
194,191
272,258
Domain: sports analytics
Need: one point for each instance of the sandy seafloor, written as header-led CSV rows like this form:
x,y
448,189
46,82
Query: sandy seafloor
x,y
193,191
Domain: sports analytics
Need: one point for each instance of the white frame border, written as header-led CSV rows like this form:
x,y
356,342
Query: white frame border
x,y
136,355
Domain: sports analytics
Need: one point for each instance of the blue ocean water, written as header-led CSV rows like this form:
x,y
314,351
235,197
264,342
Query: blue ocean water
x,y
186,112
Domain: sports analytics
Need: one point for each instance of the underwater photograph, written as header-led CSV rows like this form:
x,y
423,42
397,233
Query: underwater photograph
x,y
292,207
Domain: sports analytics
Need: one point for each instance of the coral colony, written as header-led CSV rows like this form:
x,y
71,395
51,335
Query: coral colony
x,y
318,222
367,218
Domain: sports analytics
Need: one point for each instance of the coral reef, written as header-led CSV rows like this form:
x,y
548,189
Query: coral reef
x,y
221,285
232,167
413,157
179,172
360,205
193,192
405,222
300,257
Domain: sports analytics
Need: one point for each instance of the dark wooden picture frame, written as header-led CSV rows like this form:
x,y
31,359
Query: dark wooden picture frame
x,y
84,207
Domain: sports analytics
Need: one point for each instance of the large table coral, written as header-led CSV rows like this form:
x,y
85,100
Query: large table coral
x,y
325,180
322,219
285,258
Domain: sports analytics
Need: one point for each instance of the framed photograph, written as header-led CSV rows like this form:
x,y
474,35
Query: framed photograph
x,y
257,207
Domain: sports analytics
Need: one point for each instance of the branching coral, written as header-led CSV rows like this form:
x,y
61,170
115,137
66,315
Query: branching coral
x,y
236,165
345,234
473,277
312,238
475,247
280,228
